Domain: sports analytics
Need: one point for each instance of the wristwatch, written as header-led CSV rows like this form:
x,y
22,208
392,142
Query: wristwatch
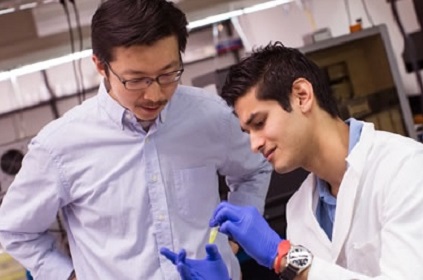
x,y
297,260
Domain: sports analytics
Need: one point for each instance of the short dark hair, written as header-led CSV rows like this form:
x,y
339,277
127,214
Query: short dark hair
x,y
273,69
125,23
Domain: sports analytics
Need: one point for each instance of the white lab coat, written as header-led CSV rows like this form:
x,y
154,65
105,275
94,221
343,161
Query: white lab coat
x,y
378,228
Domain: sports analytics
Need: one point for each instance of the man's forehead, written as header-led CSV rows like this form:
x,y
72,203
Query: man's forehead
x,y
246,109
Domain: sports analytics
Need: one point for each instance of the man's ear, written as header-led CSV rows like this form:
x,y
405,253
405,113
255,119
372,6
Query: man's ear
x,y
100,66
302,94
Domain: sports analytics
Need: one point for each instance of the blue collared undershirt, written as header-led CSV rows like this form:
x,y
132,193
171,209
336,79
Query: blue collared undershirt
x,y
326,207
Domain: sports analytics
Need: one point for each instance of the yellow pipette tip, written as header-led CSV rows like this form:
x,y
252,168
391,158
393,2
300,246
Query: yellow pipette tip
x,y
213,234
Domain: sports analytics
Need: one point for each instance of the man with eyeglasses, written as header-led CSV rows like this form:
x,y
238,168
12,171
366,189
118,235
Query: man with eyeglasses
x,y
134,168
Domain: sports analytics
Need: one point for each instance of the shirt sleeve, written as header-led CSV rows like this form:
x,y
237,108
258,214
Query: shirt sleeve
x,y
247,174
29,208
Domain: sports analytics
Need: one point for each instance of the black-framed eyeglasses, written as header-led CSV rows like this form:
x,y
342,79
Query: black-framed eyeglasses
x,y
145,82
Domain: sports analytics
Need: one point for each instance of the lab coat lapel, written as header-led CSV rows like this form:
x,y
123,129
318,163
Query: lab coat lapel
x,y
303,227
350,189
344,210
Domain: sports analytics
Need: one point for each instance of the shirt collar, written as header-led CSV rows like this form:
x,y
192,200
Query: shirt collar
x,y
355,132
323,190
355,128
111,107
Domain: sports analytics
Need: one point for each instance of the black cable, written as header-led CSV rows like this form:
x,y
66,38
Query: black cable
x,y
410,45
81,46
72,40
366,10
53,97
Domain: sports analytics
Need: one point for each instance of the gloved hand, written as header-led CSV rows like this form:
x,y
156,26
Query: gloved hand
x,y
248,227
210,268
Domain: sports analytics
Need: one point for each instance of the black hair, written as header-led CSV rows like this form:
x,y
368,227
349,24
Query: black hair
x,y
273,70
125,23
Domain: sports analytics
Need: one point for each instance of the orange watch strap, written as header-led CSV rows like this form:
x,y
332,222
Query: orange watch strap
x,y
283,249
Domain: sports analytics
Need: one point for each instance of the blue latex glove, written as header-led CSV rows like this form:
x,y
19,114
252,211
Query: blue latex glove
x,y
212,267
248,227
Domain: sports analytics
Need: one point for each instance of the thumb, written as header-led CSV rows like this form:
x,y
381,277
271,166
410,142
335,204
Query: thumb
x,y
212,252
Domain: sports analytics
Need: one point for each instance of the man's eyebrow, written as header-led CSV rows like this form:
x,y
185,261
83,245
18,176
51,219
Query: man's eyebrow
x,y
136,72
250,119
248,122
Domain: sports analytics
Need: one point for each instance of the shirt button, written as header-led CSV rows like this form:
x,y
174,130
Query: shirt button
x,y
161,218
154,178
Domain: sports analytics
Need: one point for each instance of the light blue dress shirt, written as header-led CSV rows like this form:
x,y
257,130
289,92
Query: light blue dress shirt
x,y
326,207
124,192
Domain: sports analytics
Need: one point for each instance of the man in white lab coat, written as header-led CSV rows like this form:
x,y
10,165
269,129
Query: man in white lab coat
x,y
359,213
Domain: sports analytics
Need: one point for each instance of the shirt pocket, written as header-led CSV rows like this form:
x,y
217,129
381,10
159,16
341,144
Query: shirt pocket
x,y
197,193
364,256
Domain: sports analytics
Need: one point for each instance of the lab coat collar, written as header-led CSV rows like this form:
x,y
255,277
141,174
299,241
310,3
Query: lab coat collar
x,y
349,188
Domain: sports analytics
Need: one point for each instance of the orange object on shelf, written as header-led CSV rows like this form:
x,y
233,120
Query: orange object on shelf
x,y
357,26
418,119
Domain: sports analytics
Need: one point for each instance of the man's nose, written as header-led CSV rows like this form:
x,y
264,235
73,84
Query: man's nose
x,y
257,142
154,92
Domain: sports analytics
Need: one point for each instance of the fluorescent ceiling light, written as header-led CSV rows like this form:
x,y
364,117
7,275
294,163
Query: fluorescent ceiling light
x,y
6,11
214,19
78,55
28,6
13,6
228,15
266,5
31,68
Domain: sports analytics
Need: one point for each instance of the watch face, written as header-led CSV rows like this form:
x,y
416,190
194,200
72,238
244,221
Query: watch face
x,y
299,257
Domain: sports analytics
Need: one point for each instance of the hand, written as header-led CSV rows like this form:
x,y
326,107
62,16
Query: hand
x,y
247,227
212,267
234,247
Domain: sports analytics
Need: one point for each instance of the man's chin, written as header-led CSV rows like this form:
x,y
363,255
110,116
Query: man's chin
x,y
282,169
147,117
